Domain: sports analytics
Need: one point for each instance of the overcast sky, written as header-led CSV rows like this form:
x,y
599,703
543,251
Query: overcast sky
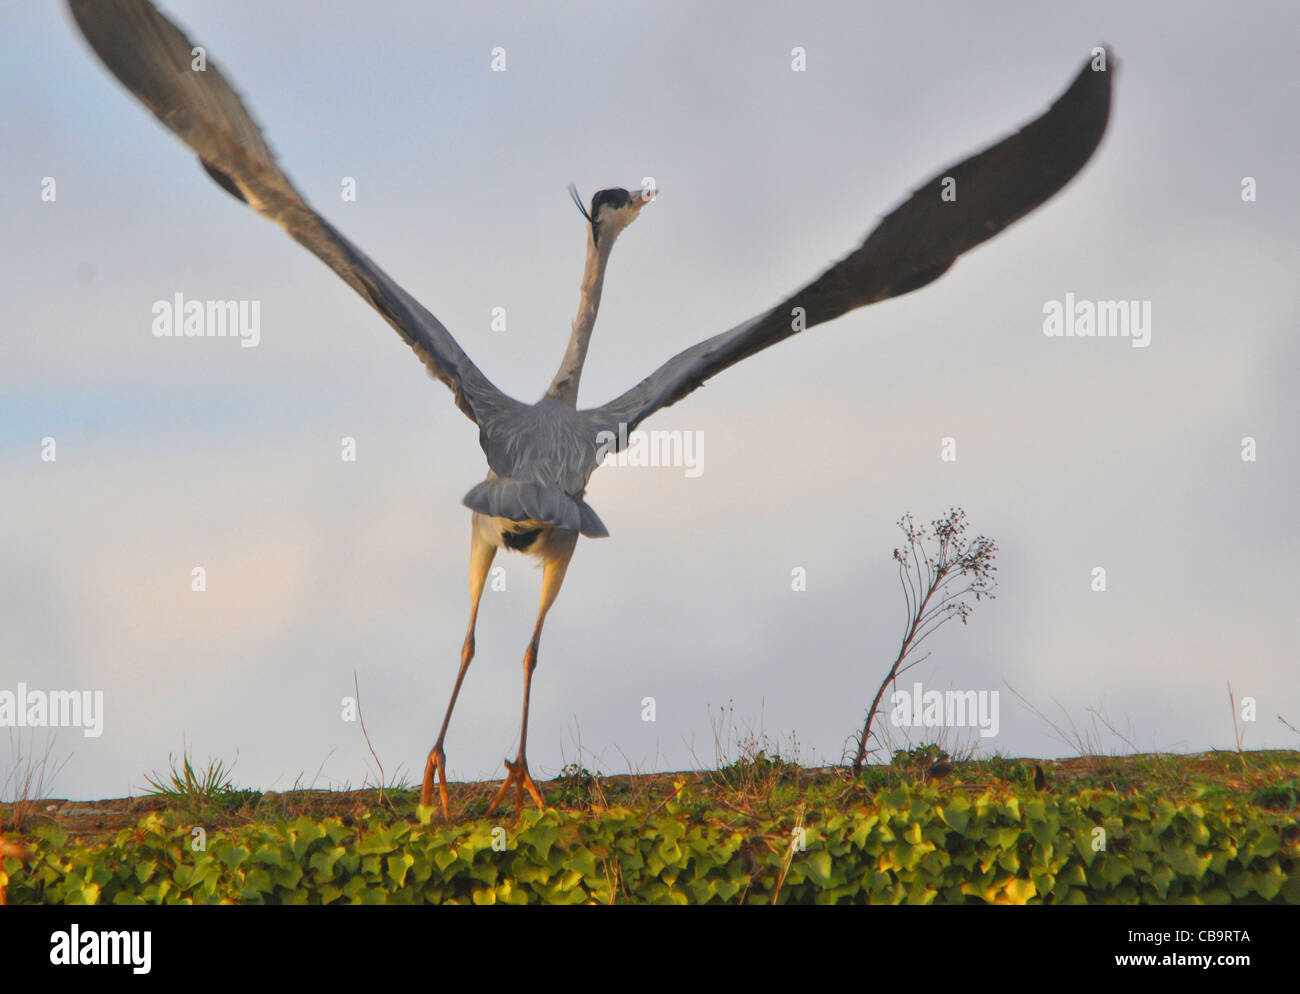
x,y
1072,453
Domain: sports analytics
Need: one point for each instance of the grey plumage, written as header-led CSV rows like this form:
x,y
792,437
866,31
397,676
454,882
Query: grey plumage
x,y
912,246
541,455
153,60
549,450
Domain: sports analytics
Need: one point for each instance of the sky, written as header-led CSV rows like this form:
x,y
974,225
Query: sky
x,y
754,595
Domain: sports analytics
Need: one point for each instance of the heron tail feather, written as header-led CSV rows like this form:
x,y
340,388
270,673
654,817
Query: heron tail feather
x,y
520,500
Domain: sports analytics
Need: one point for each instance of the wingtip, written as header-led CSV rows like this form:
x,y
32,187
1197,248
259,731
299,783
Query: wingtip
x,y
1102,58
1112,60
1086,103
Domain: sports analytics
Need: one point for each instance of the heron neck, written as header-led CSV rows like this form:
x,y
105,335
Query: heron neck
x,y
565,384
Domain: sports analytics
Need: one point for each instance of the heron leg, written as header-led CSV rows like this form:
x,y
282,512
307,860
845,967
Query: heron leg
x,y
555,565
481,553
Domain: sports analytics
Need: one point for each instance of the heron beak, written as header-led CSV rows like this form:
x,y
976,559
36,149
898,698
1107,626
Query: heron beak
x,y
643,197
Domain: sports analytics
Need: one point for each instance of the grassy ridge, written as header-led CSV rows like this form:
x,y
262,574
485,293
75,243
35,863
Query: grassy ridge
x,y
1211,829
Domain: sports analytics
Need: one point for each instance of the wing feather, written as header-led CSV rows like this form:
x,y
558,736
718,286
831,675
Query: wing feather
x,y
913,245
156,62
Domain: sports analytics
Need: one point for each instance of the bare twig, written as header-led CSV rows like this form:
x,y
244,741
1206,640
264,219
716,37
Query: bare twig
x,y
789,853
383,797
31,777
1236,732
930,600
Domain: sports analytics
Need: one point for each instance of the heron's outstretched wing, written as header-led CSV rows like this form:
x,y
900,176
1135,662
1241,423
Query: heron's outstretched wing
x,y
157,63
910,247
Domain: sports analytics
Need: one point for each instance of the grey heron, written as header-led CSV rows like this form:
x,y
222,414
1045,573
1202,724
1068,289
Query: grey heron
x,y
541,455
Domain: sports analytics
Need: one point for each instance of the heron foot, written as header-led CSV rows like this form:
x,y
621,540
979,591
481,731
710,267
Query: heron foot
x,y
437,763
521,780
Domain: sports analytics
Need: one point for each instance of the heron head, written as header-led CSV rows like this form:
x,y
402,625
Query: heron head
x,y
612,210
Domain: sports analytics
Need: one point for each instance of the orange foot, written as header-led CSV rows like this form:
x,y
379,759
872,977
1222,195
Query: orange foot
x,y
520,778
437,762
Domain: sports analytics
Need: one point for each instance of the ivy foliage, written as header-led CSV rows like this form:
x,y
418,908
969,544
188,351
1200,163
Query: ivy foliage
x,y
907,845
